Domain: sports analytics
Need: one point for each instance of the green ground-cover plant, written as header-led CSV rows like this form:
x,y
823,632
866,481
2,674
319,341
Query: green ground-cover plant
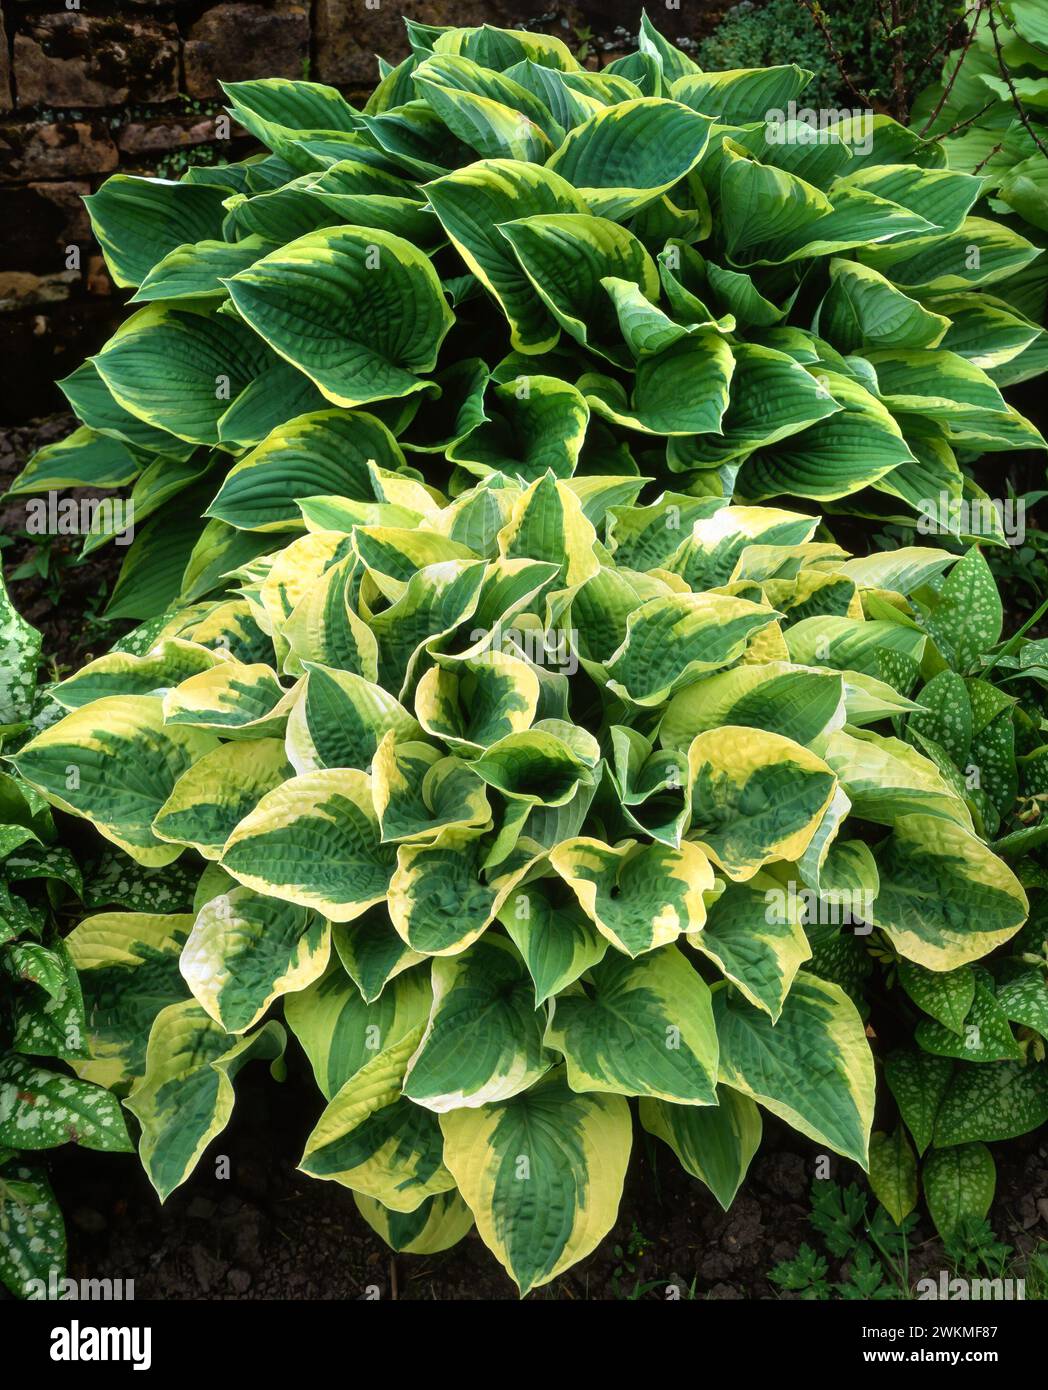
x,y
42,1018
521,779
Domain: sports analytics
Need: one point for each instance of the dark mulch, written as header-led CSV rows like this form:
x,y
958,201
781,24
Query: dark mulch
x,y
267,1232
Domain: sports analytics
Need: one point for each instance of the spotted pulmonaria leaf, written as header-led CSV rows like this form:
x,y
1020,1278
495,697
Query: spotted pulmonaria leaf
x,y
185,1097
40,1109
32,1233
893,1173
644,1028
918,1081
246,950
439,1223
19,658
991,1103
813,1068
958,1185
945,995
714,1143
542,1174
966,620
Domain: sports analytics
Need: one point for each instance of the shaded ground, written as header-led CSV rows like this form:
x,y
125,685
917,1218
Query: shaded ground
x,y
268,1232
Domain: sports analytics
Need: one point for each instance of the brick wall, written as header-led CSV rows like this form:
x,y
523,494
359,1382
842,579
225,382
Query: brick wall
x,y
90,86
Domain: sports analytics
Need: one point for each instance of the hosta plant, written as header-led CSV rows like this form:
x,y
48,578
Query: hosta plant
x,y
531,755
506,263
522,805
42,1019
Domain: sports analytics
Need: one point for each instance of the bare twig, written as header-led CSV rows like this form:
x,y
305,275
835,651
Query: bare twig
x,y
948,88
983,162
902,106
968,120
1019,107
819,20
943,43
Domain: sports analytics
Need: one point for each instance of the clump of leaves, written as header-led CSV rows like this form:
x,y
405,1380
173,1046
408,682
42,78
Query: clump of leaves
x,y
521,783
871,1249
41,1007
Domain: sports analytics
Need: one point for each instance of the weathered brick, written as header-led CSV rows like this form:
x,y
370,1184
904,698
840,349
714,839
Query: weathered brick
x,y
158,135
6,99
348,33
41,220
55,150
234,42
76,59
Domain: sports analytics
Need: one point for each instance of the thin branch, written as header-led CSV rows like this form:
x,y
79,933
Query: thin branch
x,y
943,43
948,88
961,125
1019,107
899,63
819,20
983,162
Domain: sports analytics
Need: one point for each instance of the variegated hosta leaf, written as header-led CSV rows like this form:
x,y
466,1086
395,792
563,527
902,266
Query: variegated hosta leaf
x,y
246,950
471,704
185,1097
671,641
315,841
213,796
483,1041
715,1143
128,968
556,939
783,699
323,303
341,1032
438,898
115,763
756,797
944,899
638,896
234,700
885,778
167,664
340,719
546,765
813,1068
439,1223
754,934
639,1028
419,792
372,952
542,1174
372,1140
